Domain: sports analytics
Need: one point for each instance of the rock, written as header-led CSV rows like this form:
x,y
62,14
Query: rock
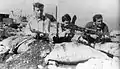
x,y
2,49
25,46
98,64
7,42
3,66
90,64
55,67
40,66
115,33
73,52
29,59
12,42
112,48
9,59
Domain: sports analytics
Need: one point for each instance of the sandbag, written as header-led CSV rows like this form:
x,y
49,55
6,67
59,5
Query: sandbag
x,y
112,48
74,52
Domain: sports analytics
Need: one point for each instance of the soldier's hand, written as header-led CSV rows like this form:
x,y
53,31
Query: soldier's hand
x,y
94,36
105,36
34,34
41,34
67,31
99,33
32,30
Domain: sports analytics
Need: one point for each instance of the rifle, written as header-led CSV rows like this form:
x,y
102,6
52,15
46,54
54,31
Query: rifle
x,y
82,29
86,30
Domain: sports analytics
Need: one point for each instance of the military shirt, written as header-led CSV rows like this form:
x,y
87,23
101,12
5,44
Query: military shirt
x,y
102,28
38,25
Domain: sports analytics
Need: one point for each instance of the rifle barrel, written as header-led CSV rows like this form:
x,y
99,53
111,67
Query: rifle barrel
x,y
82,29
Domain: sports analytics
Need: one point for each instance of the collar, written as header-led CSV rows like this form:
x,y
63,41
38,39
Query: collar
x,y
94,23
40,18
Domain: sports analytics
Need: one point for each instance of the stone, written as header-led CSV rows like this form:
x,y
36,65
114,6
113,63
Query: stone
x,y
99,64
72,52
112,48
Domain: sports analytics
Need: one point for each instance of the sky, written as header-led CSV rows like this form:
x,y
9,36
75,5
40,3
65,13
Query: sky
x,y
83,9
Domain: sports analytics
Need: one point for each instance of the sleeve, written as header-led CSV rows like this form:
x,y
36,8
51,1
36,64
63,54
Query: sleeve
x,y
27,30
47,26
63,33
88,25
106,30
60,28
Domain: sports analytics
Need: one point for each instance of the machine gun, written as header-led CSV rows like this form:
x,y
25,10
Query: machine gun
x,y
82,29
86,30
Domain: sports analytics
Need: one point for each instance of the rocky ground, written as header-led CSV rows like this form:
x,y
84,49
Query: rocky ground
x,y
31,59
34,58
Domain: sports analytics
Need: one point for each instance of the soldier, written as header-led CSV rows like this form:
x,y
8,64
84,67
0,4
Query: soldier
x,y
100,27
39,24
65,35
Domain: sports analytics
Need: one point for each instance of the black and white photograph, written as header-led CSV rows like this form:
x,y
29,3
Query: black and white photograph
x,y
59,34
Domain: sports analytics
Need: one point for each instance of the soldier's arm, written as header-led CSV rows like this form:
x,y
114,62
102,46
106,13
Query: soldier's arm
x,y
106,30
47,26
88,25
89,28
28,29
61,32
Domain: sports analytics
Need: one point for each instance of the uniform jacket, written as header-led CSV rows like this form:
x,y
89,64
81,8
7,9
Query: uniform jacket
x,y
42,25
102,28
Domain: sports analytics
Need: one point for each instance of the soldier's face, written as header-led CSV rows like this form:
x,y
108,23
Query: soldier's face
x,y
38,11
66,22
99,21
